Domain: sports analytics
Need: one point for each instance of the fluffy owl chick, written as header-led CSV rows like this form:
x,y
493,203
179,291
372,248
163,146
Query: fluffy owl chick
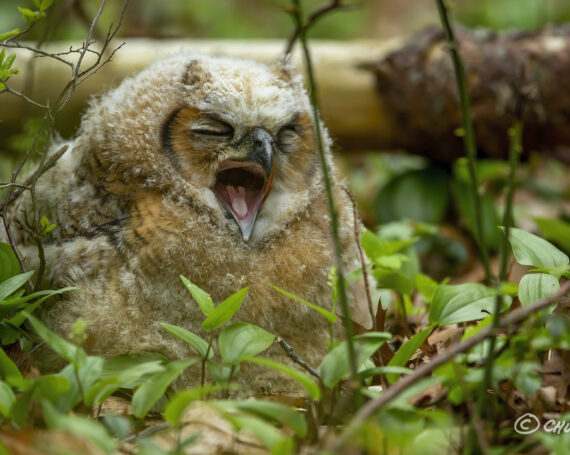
x,y
198,166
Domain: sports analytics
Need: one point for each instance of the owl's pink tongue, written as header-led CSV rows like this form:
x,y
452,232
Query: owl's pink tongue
x,y
238,200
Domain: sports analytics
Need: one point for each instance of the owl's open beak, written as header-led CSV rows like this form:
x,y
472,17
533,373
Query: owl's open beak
x,y
243,186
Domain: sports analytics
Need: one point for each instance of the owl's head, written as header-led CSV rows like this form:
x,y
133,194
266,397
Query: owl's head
x,y
238,132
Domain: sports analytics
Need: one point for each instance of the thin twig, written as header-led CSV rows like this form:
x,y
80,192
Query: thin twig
x,y
510,321
50,162
315,16
468,136
290,352
361,256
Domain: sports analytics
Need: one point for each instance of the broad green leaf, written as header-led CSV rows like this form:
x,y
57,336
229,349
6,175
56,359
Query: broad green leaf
x,y
7,399
13,32
536,286
127,378
9,265
270,436
79,426
335,365
556,230
220,371
68,351
224,311
202,298
374,247
191,339
51,387
119,364
155,387
9,372
80,380
119,426
14,283
179,403
268,410
391,279
240,340
45,4
29,16
530,249
19,413
310,386
461,303
406,351
327,314
426,286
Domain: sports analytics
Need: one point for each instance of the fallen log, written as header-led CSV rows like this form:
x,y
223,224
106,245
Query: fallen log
x,y
517,75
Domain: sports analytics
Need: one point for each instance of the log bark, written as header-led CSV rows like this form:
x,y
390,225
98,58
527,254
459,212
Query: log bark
x,y
381,95
524,75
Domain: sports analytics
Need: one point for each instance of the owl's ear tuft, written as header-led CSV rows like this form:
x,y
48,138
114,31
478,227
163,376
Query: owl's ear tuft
x,y
193,74
284,68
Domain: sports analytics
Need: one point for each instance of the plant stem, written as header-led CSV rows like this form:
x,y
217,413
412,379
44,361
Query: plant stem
x,y
515,148
347,320
204,359
468,136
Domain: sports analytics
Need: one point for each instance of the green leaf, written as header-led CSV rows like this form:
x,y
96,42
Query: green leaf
x,y
80,380
202,298
240,340
11,285
272,438
219,371
331,317
374,247
556,230
125,379
461,303
46,226
68,351
29,16
9,265
10,372
335,365
155,387
51,387
406,351
426,286
180,402
79,426
391,279
45,4
13,32
276,412
530,249
224,311
536,286
119,364
310,386
191,339
11,304
7,399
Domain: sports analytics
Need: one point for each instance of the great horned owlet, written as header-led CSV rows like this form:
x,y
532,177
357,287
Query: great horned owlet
x,y
198,166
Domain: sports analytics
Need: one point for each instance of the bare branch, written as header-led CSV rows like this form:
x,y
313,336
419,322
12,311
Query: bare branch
x,y
295,358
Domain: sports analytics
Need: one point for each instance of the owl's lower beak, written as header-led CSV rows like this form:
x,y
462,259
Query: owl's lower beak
x,y
243,186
